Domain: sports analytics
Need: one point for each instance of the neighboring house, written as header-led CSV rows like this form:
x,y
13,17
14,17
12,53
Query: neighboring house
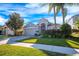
x,y
43,24
72,21
7,31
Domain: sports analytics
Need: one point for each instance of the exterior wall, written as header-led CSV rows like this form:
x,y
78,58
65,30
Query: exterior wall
x,y
43,21
9,32
31,30
52,27
72,21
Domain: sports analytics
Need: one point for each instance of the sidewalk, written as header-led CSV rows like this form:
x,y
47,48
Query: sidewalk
x,y
4,41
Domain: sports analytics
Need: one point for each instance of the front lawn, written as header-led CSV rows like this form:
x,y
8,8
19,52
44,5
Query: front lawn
x,y
74,43
9,50
3,37
48,41
75,34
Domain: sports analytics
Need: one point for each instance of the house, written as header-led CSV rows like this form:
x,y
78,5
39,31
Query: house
x,y
43,24
72,21
7,31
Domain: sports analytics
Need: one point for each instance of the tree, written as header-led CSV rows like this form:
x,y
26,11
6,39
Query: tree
x,y
77,23
15,22
66,30
51,5
60,6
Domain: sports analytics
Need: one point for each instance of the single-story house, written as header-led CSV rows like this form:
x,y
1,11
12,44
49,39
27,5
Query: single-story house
x,y
43,24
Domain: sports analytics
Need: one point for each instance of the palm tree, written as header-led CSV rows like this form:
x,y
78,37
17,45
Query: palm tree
x,y
57,7
60,6
64,12
51,5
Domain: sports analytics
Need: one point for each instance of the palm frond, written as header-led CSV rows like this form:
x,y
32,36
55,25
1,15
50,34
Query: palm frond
x,y
65,12
43,4
57,9
50,7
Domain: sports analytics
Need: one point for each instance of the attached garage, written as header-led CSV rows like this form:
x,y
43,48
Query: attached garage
x,y
31,31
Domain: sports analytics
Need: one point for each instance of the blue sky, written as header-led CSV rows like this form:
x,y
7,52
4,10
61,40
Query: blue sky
x,y
33,12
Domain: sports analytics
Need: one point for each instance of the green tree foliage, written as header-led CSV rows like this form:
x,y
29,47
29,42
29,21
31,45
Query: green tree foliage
x,y
77,23
15,22
66,29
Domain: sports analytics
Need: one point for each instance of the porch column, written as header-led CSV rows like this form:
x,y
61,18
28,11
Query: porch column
x,y
46,27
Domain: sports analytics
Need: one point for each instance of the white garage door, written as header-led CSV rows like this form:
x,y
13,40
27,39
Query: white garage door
x,y
31,31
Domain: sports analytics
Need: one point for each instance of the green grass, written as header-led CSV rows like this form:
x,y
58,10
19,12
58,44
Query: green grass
x,y
53,41
75,34
9,50
48,41
73,43
3,36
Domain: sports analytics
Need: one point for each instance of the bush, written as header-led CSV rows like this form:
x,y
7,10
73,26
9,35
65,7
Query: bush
x,y
63,32
66,30
52,33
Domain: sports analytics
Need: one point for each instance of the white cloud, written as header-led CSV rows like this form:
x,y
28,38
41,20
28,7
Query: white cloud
x,y
26,20
36,9
2,20
58,19
27,10
43,9
72,9
35,23
32,5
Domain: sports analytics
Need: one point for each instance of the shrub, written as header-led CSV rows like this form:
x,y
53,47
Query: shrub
x,y
63,32
52,33
66,30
